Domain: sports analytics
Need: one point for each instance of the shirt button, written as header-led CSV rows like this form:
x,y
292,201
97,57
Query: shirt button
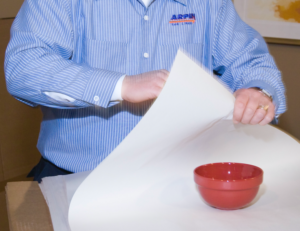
x,y
146,55
146,17
96,98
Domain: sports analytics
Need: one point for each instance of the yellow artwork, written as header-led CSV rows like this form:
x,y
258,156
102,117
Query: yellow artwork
x,y
274,10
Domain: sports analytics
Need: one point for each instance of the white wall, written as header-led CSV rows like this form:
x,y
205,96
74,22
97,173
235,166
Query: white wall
x,y
9,8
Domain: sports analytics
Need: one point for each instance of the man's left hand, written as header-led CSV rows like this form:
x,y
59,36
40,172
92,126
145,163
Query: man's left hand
x,y
249,107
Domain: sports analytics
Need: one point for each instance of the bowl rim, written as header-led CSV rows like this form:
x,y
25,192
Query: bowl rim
x,y
229,181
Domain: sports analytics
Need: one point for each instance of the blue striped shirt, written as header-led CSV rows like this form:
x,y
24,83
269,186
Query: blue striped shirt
x,y
81,48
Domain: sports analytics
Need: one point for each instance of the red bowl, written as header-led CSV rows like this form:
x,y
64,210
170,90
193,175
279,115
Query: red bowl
x,y
228,186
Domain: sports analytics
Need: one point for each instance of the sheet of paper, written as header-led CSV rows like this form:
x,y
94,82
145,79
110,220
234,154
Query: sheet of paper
x,y
146,183
55,193
58,192
72,182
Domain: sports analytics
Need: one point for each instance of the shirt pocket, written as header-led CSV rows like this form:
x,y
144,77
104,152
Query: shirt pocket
x,y
167,53
105,55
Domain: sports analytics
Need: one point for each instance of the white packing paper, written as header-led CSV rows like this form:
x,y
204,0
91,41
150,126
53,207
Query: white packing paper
x,y
147,183
58,192
55,193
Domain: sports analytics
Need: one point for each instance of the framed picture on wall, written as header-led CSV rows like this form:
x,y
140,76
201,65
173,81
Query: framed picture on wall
x,y
278,21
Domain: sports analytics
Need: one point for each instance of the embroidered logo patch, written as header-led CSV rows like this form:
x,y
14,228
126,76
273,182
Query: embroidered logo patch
x,y
182,19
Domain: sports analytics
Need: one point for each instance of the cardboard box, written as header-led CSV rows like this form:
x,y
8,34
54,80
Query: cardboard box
x,y
10,8
26,207
19,124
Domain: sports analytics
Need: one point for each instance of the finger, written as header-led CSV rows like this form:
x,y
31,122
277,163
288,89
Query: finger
x,y
260,112
258,116
239,107
250,109
155,91
163,74
269,116
160,82
165,71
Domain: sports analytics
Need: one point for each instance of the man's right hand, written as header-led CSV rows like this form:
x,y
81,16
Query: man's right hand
x,y
143,87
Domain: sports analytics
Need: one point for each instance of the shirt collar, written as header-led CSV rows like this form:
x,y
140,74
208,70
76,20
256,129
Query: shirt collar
x,y
183,2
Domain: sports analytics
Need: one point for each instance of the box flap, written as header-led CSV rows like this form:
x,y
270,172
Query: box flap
x,y
27,208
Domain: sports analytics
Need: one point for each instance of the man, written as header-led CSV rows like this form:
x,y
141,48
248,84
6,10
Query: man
x,y
95,67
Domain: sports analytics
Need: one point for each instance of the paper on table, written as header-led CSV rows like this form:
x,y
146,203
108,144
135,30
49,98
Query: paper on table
x,y
146,183
54,191
58,192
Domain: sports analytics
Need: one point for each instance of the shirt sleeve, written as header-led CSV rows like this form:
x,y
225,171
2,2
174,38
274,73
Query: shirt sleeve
x,y
241,58
39,59
116,96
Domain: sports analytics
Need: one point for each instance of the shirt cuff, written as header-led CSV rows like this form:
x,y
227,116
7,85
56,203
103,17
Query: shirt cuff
x,y
59,97
117,94
100,88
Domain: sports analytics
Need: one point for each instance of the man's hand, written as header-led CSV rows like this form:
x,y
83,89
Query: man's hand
x,y
248,108
143,87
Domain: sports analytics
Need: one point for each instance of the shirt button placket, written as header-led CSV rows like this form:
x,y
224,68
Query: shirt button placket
x,y
96,98
146,54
